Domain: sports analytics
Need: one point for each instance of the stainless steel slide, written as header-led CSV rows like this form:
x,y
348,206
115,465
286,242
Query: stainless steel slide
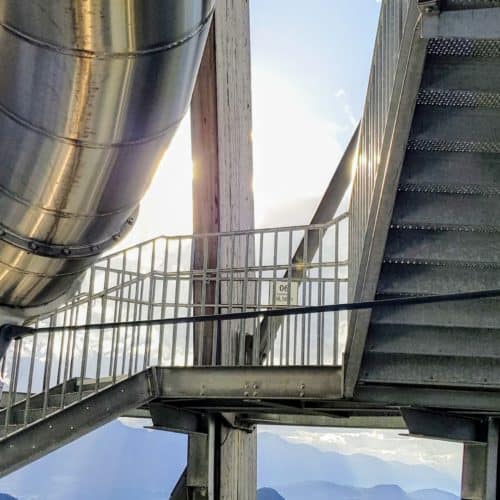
x,y
91,93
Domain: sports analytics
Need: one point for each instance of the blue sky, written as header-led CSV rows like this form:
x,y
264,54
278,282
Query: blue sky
x,y
310,67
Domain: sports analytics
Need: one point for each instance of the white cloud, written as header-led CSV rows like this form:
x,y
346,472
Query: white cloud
x,y
384,444
295,150
135,423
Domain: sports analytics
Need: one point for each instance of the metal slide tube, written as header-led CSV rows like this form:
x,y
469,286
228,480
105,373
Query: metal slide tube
x,y
91,93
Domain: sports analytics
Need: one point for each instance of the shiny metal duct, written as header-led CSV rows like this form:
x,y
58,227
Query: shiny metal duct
x,y
91,93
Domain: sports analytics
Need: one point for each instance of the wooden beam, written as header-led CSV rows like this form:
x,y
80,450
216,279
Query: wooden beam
x,y
221,125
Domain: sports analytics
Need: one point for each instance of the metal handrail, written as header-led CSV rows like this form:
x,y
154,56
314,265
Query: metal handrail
x,y
56,367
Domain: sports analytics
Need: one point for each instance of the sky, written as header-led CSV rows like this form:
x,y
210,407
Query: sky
x,y
310,68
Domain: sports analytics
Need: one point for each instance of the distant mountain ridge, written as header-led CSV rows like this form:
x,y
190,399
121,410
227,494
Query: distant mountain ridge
x,y
281,462
268,494
323,490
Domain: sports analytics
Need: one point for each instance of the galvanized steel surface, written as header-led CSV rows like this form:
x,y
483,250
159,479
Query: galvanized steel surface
x,y
91,93
393,18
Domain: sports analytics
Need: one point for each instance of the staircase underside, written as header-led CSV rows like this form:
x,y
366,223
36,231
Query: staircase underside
x,y
444,237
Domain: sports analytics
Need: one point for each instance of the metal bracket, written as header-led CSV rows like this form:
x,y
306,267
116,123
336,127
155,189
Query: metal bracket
x,y
429,7
168,418
52,250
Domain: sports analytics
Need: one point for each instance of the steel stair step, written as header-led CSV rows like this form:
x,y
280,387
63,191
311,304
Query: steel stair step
x,y
34,414
481,170
481,313
458,247
433,340
90,384
463,47
404,279
436,370
455,125
475,213
461,73
54,399
458,98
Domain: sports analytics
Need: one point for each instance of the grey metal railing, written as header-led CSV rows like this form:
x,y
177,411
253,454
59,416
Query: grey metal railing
x,y
170,277
393,23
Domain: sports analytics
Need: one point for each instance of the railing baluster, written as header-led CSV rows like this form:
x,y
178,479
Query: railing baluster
x,y
30,377
163,301
241,276
11,400
176,301
336,298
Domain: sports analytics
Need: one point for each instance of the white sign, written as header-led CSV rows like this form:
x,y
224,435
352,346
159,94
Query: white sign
x,y
286,293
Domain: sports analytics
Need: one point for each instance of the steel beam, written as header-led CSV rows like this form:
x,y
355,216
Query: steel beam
x,y
251,383
172,419
74,421
469,401
442,425
357,422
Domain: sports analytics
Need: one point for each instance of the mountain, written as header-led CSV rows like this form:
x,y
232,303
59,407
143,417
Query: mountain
x,y
3,496
112,462
266,494
281,462
117,461
323,490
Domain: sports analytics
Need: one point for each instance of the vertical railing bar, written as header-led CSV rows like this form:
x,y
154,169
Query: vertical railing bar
x,y
30,376
320,316
190,300
241,360
270,340
86,334
139,329
205,283
289,279
258,302
115,342
217,300
73,320
48,368
67,334
127,352
11,402
18,368
305,271
101,330
61,348
152,291
136,313
337,299
176,301
163,301
117,316
230,298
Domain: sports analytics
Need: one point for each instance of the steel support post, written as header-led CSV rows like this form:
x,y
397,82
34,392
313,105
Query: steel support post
x,y
480,467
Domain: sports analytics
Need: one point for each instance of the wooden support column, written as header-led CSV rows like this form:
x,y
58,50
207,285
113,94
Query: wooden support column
x,y
221,125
